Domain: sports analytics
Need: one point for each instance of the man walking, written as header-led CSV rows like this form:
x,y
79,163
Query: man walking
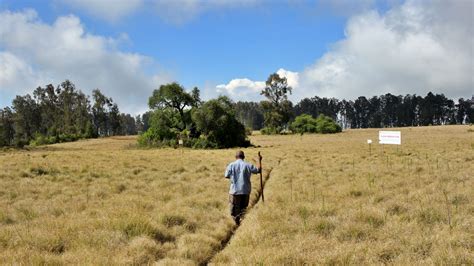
x,y
239,173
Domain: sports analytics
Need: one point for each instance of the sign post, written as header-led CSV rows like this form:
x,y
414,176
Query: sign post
x,y
369,141
390,137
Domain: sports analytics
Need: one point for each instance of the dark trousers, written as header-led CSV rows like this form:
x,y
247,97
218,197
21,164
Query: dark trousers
x,y
238,204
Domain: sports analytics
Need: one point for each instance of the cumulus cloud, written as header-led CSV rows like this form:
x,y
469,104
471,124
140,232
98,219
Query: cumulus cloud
x,y
241,88
244,89
34,53
415,47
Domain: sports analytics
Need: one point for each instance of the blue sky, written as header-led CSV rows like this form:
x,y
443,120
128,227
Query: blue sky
x,y
229,47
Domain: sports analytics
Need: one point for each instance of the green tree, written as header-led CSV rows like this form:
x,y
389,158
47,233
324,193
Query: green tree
x,y
99,112
277,108
113,120
47,100
173,96
27,119
163,127
139,124
217,123
128,124
7,131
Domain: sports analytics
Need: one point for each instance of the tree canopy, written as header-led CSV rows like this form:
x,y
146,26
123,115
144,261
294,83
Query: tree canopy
x,y
216,121
179,115
61,114
277,109
173,96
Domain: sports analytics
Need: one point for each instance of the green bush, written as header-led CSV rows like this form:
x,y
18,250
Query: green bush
x,y
326,125
307,124
209,125
216,122
203,143
304,124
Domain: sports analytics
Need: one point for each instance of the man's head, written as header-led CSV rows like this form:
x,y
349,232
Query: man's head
x,y
240,155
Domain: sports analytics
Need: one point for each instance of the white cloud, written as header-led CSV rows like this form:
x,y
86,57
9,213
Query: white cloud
x,y
34,53
415,47
110,10
244,89
241,89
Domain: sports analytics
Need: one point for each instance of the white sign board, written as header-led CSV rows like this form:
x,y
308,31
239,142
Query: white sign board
x,y
180,142
390,137
369,141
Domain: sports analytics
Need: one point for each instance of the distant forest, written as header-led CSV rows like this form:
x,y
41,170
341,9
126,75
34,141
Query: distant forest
x,y
64,113
376,112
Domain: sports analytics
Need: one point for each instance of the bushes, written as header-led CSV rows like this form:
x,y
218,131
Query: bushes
x,y
211,125
307,124
45,140
304,124
325,125
217,123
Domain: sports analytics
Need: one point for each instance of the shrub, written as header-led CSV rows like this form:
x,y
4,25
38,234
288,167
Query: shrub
x,y
203,143
40,139
216,121
213,125
307,124
304,124
325,125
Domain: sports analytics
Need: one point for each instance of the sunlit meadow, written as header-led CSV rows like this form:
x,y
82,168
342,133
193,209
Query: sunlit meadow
x,y
328,200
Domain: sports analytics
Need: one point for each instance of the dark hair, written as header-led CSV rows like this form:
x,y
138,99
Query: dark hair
x,y
240,155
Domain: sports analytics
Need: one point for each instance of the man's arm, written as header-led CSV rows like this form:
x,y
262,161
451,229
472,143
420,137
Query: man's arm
x,y
258,169
228,172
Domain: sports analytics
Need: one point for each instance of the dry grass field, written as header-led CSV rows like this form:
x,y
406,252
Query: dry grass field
x,y
331,202
327,201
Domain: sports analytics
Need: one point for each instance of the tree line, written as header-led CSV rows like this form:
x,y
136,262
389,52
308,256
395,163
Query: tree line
x,y
64,113
376,112
60,114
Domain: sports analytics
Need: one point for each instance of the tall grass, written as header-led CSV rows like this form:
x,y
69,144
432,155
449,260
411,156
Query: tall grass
x,y
392,206
327,201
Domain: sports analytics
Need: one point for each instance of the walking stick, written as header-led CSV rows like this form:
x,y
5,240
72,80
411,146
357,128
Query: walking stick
x,y
261,177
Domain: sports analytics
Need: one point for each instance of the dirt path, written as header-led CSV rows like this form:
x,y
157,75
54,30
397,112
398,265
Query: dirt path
x,y
253,203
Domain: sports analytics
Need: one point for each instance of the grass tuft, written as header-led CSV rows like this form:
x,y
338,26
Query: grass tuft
x,y
355,193
120,188
324,228
144,251
396,209
38,171
429,216
170,220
